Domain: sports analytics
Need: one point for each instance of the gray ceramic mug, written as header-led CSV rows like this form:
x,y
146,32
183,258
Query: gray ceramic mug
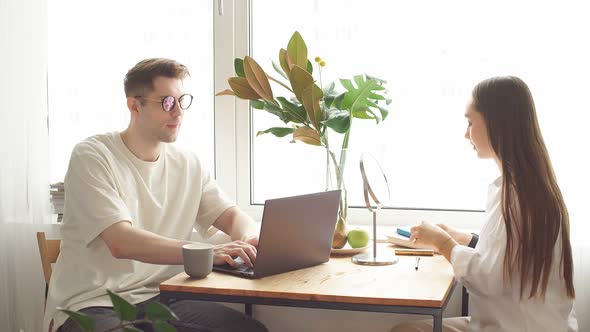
x,y
198,259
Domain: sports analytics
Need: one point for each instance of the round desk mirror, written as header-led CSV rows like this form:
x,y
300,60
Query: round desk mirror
x,y
377,194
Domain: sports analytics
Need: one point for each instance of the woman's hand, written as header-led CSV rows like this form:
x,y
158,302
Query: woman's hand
x,y
226,252
434,236
461,237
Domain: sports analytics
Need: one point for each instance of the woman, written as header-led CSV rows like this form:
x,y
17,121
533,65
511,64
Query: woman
x,y
519,275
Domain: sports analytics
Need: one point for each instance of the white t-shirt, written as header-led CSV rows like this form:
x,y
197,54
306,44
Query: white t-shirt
x,y
105,183
495,305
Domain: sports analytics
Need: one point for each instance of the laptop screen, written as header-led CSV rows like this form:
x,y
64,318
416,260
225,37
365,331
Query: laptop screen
x,y
296,232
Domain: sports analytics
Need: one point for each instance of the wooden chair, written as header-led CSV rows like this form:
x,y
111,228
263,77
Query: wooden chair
x,y
49,250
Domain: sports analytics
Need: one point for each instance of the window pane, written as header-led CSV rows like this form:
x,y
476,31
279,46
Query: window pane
x,y
431,59
91,51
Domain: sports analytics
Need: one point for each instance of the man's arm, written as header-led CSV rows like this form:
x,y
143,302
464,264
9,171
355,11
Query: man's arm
x,y
128,242
238,225
242,230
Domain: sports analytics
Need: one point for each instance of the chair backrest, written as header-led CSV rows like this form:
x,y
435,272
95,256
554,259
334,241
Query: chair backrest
x,y
49,250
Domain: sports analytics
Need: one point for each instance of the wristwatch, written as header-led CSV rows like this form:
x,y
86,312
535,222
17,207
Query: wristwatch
x,y
474,239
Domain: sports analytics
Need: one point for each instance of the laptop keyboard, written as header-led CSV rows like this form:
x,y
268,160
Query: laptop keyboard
x,y
244,268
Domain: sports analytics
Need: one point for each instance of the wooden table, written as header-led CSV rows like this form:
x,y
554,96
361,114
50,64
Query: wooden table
x,y
337,284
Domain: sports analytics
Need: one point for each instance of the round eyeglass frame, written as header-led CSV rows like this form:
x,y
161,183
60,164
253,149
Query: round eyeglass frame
x,y
175,101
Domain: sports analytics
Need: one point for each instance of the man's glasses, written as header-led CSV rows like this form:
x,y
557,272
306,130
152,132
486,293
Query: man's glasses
x,y
169,102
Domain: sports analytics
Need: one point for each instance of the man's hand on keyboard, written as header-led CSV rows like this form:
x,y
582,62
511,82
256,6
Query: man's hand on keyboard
x,y
226,252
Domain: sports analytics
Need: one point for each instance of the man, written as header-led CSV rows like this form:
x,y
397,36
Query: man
x,y
132,202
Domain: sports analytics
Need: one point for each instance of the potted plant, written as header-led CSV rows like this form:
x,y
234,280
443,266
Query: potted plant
x,y
156,314
311,112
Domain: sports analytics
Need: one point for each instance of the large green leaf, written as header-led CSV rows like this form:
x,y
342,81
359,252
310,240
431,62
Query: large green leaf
x,y
257,79
257,104
384,111
310,98
239,67
338,100
365,113
300,79
358,99
83,320
338,120
309,67
296,113
158,311
274,109
124,310
297,50
329,95
277,131
242,88
333,100
307,135
161,326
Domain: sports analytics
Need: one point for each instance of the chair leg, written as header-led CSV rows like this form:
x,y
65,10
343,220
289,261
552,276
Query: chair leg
x,y
465,303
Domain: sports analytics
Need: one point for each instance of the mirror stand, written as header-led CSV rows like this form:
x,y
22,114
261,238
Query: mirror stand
x,y
374,259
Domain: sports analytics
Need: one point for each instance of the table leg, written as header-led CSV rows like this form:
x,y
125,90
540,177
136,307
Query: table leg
x,y
164,300
248,309
437,327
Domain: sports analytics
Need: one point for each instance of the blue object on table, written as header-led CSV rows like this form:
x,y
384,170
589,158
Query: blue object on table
x,y
404,232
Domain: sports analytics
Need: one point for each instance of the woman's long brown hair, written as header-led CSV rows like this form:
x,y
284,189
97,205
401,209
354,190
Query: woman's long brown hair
x,y
532,205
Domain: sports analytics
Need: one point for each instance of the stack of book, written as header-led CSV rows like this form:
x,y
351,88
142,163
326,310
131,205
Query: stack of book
x,y
57,198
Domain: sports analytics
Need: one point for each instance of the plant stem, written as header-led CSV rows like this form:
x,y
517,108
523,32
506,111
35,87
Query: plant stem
x,y
339,168
279,82
321,84
345,146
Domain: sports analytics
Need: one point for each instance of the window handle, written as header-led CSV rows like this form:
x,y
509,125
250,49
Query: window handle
x,y
220,7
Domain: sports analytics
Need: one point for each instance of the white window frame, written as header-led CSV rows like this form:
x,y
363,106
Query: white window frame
x,y
233,167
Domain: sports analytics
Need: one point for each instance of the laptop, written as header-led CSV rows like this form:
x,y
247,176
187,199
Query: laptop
x,y
296,233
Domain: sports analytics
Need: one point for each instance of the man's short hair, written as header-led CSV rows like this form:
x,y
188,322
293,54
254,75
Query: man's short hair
x,y
141,77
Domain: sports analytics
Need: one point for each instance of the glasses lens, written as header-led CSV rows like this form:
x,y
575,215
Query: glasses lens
x,y
168,103
185,101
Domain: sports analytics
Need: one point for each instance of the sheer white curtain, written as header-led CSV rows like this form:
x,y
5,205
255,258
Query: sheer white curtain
x,y
24,203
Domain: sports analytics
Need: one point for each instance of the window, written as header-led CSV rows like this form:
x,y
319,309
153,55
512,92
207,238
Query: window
x,y
432,54
91,51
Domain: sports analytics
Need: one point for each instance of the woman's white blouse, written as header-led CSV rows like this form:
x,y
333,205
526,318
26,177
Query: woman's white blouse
x,y
495,304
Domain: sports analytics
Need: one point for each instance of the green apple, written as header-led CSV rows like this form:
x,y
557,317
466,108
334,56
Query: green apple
x,y
358,238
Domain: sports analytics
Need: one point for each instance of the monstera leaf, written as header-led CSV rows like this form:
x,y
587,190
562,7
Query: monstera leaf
x,y
362,99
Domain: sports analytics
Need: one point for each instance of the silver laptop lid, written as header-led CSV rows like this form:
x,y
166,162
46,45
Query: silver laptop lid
x,y
296,232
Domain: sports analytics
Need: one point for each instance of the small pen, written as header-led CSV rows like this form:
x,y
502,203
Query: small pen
x,y
417,261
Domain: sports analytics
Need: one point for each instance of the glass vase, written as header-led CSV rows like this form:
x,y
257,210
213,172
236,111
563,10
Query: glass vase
x,y
335,167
